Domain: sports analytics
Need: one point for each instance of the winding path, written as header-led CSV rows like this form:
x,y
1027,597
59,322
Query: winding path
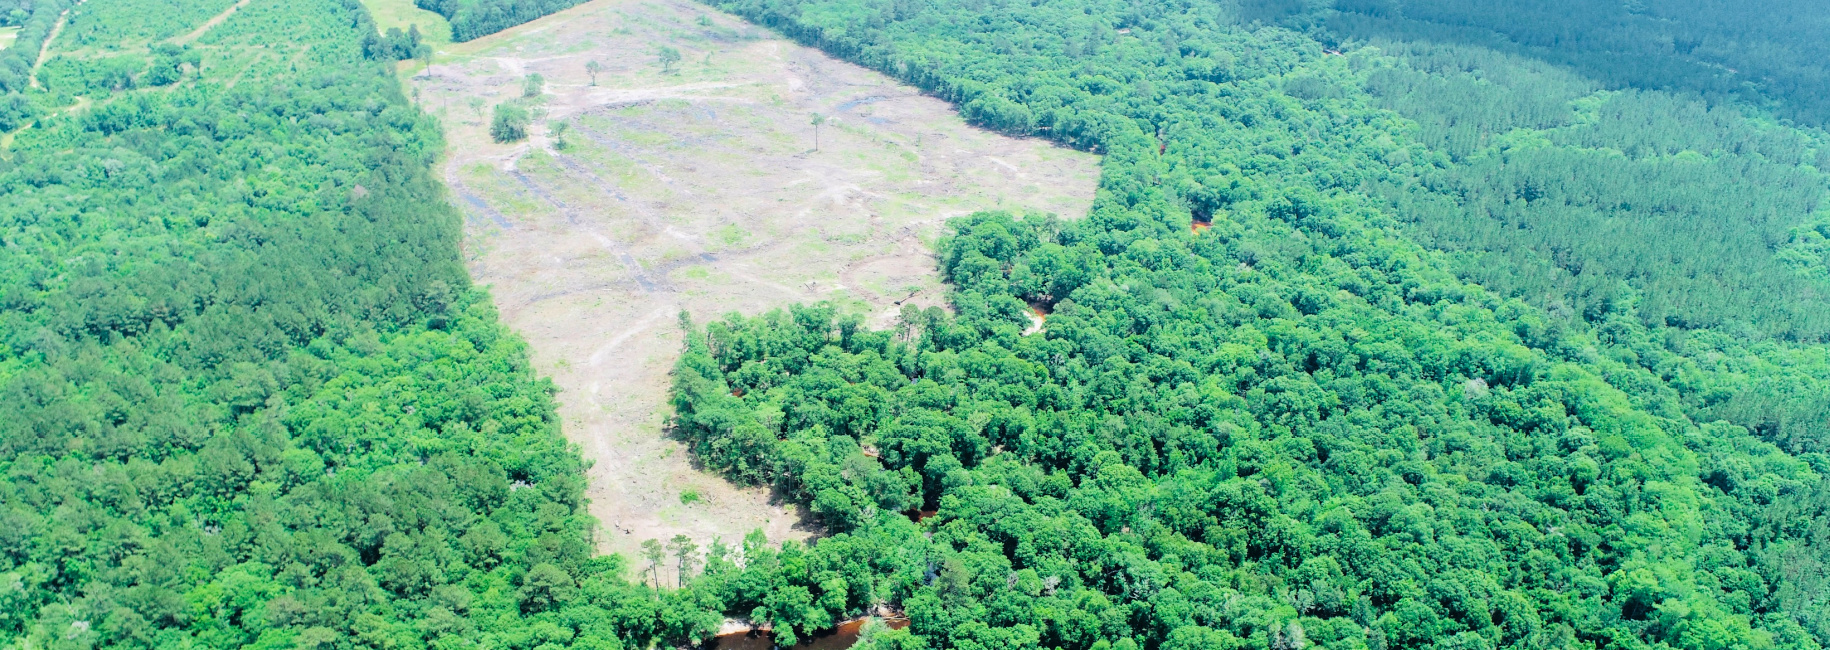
x,y
44,49
208,24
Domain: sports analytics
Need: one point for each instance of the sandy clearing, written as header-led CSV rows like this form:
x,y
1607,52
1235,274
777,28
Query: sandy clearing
x,y
699,191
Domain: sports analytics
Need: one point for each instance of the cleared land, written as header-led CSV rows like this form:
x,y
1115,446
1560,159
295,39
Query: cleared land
x,y
697,189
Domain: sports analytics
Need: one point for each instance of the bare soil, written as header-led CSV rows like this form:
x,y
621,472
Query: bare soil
x,y
697,189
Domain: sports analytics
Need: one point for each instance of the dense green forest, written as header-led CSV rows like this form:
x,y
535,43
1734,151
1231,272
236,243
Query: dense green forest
x,y
1479,350
1487,342
472,19
247,395
1766,52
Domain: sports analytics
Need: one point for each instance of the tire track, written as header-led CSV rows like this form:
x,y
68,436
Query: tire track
x,y
477,203
629,262
209,24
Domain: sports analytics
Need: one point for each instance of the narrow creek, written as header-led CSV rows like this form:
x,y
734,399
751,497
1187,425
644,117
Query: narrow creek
x,y
839,638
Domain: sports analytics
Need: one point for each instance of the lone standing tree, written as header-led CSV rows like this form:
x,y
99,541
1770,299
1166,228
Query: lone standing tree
x,y
510,123
818,119
592,67
685,552
655,554
669,56
558,129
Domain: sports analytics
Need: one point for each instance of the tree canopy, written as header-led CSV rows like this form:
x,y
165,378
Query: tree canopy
x,y
248,397
1475,347
1310,422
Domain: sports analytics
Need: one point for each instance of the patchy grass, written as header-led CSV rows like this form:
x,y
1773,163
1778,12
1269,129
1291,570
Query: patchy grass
x,y
501,191
732,236
404,14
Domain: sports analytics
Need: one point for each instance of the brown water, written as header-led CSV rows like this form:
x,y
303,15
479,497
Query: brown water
x,y
839,638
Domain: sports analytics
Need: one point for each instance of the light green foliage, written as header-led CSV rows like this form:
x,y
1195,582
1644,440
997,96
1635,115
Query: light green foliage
x,y
509,122
1808,251
164,65
655,554
558,129
116,23
685,557
668,57
98,75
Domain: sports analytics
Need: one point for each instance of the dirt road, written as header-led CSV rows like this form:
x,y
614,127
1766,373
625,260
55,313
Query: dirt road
x,y
207,25
44,49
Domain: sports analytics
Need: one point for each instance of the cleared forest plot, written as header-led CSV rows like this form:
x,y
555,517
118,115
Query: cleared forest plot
x,y
694,185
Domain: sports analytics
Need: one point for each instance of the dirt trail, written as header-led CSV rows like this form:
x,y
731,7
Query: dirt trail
x,y
209,24
698,191
44,49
